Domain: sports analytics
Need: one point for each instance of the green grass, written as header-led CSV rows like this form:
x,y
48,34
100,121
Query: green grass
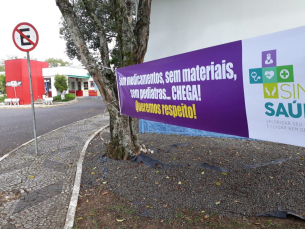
x,y
179,216
117,207
130,211
93,212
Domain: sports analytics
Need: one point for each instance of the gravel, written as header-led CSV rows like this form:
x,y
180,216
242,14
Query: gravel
x,y
194,181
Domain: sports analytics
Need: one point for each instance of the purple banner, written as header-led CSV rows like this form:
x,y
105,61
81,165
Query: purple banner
x,y
202,89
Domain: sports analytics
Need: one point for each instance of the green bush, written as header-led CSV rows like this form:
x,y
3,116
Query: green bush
x,y
2,98
2,84
60,83
57,98
68,97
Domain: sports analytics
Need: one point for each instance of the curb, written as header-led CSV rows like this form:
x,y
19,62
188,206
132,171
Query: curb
x,y
74,198
38,105
6,155
24,144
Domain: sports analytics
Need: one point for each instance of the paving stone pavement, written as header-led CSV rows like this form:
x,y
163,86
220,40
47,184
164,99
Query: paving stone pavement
x,y
35,191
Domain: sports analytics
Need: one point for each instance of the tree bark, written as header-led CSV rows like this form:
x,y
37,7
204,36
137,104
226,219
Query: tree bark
x,y
133,45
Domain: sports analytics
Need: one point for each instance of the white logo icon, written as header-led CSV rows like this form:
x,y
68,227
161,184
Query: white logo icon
x,y
268,60
254,75
268,92
269,74
284,74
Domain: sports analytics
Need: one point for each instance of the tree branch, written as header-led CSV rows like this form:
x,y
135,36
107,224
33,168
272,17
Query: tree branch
x,y
86,57
142,29
126,38
104,51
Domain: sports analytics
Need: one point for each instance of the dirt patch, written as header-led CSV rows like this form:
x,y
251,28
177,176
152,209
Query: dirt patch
x,y
188,193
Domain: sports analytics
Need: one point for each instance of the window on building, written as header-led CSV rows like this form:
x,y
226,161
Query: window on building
x,y
73,85
85,85
79,86
91,84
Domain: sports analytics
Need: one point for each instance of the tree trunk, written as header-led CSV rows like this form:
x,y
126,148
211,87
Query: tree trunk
x,y
62,95
133,45
124,140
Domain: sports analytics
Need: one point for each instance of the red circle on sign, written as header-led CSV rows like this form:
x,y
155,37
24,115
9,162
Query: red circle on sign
x,y
18,31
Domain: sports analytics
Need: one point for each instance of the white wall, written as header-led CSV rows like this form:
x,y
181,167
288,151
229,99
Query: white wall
x,y
53,89
66,70
179,26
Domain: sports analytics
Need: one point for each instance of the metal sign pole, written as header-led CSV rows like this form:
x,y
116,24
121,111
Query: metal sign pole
x,y
32,102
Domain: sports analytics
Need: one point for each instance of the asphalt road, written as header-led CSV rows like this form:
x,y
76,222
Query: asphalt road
x,y
16,125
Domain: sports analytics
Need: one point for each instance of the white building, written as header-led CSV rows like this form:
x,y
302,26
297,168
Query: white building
x,y
179,26
78,79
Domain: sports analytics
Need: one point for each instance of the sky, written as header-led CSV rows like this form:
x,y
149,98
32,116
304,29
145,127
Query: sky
x,y
45,16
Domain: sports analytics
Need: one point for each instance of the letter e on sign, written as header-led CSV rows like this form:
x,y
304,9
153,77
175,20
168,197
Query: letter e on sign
x,y
25,37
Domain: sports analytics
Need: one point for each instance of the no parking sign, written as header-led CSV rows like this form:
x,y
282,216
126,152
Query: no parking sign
x,y
25,37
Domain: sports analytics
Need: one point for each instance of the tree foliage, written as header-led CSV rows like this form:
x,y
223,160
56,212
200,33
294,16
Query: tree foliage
x,y
2,68
54,62
2,84
10,57
14,57
61,83
88,27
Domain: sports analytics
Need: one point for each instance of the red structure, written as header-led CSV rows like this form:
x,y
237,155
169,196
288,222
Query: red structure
x,y
17,70
92,92
79,93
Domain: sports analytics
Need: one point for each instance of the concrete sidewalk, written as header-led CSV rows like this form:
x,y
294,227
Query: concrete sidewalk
x,y
35,191
37,105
